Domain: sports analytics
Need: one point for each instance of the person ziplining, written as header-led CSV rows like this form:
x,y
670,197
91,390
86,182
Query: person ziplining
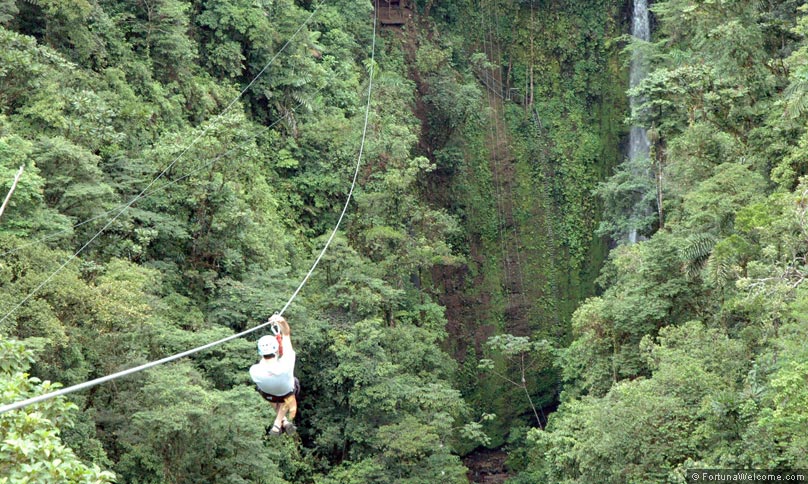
x,y
274,376
274,373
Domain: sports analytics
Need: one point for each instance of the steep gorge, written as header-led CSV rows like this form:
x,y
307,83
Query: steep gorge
x,y
487,212
519,175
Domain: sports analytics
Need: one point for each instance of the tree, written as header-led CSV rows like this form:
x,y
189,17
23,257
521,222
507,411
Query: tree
x,y
645,291
170,413
75,184
630,199
646,429
523,361
711,205
31,449
388,403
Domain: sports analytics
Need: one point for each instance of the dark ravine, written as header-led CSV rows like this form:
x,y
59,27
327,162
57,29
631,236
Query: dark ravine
x,y
522,190
487,466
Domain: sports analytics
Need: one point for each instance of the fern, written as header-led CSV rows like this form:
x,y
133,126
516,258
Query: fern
x,y
698,247
695,253
796,96
719,268
302,102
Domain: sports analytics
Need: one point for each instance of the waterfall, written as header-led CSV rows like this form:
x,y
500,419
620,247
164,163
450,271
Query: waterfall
x,y
638,147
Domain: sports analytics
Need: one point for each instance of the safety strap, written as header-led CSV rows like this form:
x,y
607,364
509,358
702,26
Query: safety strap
x,y
276,330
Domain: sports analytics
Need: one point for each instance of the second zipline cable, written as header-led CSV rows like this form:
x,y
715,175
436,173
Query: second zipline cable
x,y
142,192
146,366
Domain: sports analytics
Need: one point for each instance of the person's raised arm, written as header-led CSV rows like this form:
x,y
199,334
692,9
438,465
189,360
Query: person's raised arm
x,y
282,323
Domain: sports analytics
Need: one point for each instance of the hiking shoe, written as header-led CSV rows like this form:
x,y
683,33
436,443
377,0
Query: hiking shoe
x,y
274,431
289,428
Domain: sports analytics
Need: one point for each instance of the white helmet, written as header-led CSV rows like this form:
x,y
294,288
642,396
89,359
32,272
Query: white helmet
x,y
268,345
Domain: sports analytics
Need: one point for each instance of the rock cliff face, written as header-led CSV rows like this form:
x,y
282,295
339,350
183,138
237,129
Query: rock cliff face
x,y
519,172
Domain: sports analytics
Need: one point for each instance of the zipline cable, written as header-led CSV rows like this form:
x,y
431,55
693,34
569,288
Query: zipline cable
x,y
494,162
120,374
495,41
514,225
142,192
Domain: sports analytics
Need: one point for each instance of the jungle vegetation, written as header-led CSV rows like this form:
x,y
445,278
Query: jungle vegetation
x,y
480,292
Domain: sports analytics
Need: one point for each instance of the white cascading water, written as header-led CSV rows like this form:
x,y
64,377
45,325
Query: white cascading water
x,y
638,147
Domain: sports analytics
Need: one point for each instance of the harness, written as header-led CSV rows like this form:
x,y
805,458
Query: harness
x,y
278,336
280,398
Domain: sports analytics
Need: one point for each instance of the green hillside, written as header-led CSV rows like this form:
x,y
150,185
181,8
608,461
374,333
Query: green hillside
x,y
174,168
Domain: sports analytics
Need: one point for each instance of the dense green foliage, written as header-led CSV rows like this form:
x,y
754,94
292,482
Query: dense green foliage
x,y
519,170
98,99
694,354
31,451
466,294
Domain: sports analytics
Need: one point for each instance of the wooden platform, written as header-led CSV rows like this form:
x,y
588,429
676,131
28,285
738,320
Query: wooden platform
x,y
394,12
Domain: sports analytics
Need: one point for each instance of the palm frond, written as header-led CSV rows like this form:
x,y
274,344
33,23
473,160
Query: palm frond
x,y
695,252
